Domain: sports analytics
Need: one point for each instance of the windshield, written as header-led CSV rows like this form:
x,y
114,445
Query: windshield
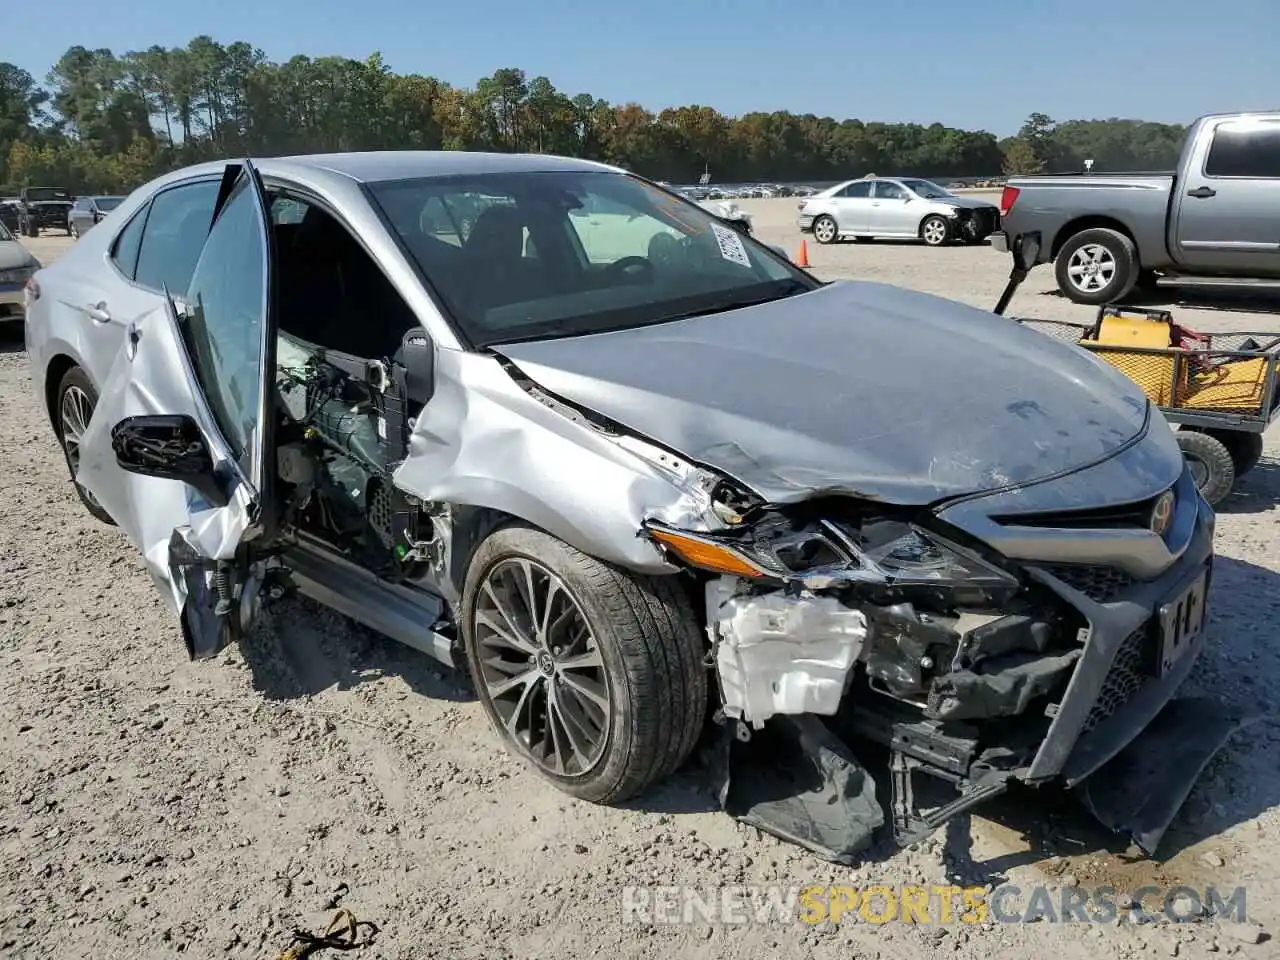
x,y
927,189
529,255
107,203
37,194
4,232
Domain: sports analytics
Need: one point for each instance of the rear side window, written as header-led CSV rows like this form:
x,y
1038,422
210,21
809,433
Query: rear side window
x,y
1246,148
125,253
861,189
174,235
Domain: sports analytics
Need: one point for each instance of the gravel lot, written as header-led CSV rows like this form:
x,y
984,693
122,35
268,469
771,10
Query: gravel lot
x,y
152,806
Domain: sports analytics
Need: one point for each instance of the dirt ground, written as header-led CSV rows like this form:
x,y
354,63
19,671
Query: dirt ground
x,y
152,806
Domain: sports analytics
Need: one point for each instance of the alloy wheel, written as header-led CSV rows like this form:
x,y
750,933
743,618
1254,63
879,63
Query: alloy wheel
x,y
541,668
824,231
935,231
1091,268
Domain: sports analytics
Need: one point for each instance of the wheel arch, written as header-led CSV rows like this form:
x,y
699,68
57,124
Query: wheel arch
x,y
1091,222
56,369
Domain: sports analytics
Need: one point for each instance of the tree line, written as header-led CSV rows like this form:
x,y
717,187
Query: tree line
x,y
107,122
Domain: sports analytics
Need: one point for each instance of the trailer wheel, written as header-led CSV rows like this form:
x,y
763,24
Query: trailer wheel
x,y
1245,448
1212,465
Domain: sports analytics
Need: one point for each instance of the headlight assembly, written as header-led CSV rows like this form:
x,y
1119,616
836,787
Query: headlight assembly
x,y
16,275
887,555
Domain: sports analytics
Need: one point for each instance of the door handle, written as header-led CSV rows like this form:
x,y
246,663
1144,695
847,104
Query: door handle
x,y
1201,193
98,312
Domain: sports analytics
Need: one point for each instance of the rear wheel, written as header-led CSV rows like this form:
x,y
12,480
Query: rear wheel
x,y
73,230
825,229
76,400
1097,266
1211,463
591,675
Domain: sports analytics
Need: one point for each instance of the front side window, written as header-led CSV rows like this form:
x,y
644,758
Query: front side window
x,y
927,189
226,312
529,255
1245,148
175,231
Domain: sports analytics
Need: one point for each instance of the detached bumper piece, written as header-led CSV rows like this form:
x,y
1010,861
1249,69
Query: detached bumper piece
x,y
795,779
1140,790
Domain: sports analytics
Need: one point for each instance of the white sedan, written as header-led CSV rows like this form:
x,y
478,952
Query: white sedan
x,y
898,207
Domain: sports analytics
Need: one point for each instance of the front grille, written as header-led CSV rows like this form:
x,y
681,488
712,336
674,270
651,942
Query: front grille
x,y
1098,582
1125,678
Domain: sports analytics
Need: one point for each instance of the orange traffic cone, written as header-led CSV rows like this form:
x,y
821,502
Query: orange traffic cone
x,y
802,255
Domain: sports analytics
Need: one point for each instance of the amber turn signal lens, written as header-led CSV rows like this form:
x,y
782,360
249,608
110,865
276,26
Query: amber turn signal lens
x,y
707,555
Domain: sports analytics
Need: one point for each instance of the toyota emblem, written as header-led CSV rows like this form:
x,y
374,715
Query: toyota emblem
x,y
1162,513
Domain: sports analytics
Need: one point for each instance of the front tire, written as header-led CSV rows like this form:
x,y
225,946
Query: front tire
x,y
591,675
825,229
1211,464
935,231
73,231
75,402
1097,266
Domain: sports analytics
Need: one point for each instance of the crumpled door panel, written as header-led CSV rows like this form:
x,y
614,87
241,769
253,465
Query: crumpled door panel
x,y
150,375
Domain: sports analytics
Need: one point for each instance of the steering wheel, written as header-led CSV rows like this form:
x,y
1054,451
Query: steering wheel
x,y
633,269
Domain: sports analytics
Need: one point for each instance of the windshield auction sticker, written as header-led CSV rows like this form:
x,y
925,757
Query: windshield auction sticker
x,y
731,247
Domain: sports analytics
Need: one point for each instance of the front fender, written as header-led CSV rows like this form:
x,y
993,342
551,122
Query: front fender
x,y
484,441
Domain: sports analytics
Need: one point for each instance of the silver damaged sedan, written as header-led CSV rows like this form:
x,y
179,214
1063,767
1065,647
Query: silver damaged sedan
x,y
649,482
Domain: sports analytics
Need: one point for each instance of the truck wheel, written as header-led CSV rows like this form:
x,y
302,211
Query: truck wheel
x,y
1097,266
934,230
825,230
591,675
1212,466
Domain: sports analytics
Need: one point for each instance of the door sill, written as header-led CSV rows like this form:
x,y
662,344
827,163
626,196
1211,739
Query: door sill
x,y
401,613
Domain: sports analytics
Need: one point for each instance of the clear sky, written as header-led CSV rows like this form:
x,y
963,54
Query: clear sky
x,y
970,63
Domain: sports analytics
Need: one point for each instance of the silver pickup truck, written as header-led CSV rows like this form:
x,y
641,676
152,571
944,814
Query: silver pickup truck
x,y
1217,215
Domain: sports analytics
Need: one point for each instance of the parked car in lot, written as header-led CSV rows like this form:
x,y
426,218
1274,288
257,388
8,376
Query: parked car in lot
x,y
901,207
17,265
1215,216
9,213
87,212
40,208
621,460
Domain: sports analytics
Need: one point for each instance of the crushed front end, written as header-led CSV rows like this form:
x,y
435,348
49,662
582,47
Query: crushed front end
x,y
866,652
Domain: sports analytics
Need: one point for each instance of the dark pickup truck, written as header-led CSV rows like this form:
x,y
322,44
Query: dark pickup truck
x,y
43,207
1216,216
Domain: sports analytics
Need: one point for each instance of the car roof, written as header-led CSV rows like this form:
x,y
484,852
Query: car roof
x,y
375,165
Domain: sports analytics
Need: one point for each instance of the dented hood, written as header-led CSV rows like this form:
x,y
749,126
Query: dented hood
x,y
856,387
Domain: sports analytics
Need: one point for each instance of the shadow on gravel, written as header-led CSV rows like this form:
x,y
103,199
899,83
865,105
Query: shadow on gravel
x,y
12,339
1261,300
1258,491
302,648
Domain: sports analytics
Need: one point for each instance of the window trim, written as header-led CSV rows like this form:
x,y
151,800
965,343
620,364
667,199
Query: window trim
x,y
145,211
1208,149
875,190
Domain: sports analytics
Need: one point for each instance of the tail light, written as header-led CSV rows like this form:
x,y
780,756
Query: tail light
x,y
31,292
1008,197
